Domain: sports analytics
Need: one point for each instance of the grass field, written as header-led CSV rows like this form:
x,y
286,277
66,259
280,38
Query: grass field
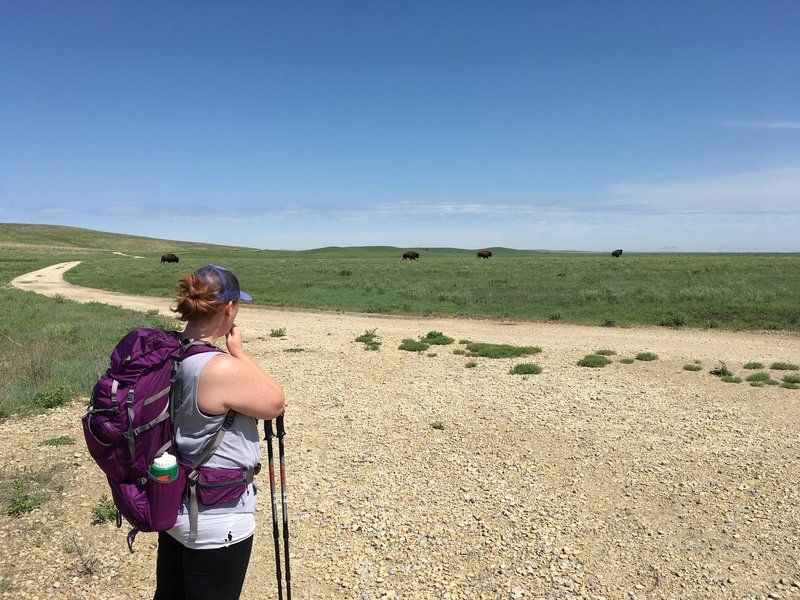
x,y
51,349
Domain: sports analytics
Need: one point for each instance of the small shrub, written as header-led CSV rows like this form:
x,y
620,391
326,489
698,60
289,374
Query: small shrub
x,y
713,324
64,440
605,352
459,352
761,376
369,339
23,500
782,366
410,345
526,369
692,367
345,272
555,317
731,379
609,323
294,350
437,425
105,510
791,378
51,398
721,371
790,386
674,320
277,333
646,356
593,361
753,365
368,336
626,361
500,350
437,338
471,364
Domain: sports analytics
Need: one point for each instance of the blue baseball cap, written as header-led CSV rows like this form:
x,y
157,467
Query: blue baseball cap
x,y
225,281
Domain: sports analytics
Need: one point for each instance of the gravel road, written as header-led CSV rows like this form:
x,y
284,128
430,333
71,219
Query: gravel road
x,y
638,480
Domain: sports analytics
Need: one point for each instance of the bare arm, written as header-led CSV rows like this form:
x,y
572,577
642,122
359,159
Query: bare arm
x,y
235,381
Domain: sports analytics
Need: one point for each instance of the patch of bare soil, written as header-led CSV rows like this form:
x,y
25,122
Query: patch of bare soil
x,y
638,480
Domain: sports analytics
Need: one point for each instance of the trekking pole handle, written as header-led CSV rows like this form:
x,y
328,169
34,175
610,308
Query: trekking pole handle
x,y
279,426
268,434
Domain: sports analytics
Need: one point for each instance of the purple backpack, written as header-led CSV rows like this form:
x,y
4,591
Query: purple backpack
x,y
129,423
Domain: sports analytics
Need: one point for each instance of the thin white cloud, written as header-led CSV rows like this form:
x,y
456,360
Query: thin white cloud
x,y
763,124
769,190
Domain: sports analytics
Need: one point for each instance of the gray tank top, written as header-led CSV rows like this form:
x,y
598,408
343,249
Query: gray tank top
x,y
193,428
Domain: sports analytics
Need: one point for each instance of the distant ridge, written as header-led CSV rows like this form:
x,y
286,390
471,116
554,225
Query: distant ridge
x,y
78,238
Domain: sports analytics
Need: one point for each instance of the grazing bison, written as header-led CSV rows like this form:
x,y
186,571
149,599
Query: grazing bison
x,y
169,258
410,255
484,254
617,253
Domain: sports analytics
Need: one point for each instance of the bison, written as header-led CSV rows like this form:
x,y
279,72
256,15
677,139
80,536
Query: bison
x,y
617,253
484,254
169,258
410,255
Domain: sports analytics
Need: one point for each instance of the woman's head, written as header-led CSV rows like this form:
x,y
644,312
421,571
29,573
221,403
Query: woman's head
x,y
206,292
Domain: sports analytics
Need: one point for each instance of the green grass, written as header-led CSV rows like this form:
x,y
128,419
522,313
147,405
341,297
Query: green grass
x,y
791,378
782,366
753,365
594,361
52,349
734,291
526,369
436,338
64,440
410,345
29,488
646,356
370,340
500,350
761,376
692,367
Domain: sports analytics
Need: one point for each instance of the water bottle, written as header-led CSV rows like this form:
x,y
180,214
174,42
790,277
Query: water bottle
x,y
164,467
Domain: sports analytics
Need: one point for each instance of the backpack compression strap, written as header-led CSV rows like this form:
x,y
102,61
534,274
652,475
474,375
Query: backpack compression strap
x,y
194,474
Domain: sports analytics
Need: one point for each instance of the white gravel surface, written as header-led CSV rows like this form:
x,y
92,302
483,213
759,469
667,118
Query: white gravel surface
x,y
635,480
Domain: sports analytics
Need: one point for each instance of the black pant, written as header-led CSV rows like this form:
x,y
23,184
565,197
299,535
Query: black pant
x,y
186,574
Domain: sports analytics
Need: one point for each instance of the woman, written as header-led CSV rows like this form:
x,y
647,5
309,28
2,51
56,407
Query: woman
x,y
213,563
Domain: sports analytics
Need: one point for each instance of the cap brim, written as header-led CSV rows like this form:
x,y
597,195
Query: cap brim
x,y
244,296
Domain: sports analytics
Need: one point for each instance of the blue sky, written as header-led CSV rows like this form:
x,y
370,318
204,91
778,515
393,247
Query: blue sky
x,y
580,125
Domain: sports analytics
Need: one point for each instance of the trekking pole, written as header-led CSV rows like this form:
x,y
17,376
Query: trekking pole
x,y
268,434
282,455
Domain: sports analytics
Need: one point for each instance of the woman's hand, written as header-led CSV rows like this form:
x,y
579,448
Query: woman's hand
x,y
233,341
